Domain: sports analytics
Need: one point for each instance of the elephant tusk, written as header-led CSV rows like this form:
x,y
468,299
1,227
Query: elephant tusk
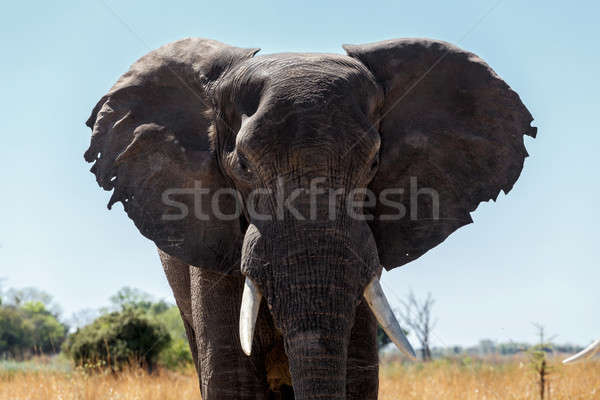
x,y
588,352
248,312
385,316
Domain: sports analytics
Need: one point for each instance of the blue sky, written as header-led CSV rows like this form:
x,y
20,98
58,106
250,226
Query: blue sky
x,y
529,257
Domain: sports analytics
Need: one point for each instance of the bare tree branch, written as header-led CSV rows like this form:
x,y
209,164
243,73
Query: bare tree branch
x,y
418,317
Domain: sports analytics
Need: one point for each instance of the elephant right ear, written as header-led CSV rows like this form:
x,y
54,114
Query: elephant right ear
x,y
451,137
150,145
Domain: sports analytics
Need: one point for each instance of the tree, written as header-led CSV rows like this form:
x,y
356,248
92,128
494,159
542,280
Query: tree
x,y
28,328
487,346
18,297
128,297
48,332
118,339
15,333
176,354
83,317
538,360
417,316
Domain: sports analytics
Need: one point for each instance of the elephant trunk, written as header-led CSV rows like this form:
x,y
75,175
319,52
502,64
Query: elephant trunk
x,y
315,311
317,361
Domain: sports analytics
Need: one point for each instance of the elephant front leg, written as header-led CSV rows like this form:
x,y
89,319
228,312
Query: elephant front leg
x,y
178,275
226,372
363,360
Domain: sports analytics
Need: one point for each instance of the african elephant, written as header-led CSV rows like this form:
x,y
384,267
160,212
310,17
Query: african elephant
x,y
277,187
586,353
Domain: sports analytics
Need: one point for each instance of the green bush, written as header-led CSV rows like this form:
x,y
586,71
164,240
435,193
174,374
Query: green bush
x,y
177,355
118,339
87,346
29,329
48,333
15,333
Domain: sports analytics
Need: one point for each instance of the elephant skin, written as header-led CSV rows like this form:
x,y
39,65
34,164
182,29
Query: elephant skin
x,y
305,174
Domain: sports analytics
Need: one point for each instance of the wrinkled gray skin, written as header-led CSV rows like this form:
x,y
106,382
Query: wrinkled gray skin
x,y
200,114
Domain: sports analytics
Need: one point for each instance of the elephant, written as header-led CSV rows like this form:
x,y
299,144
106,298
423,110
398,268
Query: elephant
x,y
277,187
586,353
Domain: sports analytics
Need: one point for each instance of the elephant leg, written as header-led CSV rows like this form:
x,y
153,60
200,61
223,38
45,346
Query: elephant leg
x,y
226,372
363,360
178,276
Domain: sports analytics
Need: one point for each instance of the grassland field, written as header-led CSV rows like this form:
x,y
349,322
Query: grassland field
x,y
464,379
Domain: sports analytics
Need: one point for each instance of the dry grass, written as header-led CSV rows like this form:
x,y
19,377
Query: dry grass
x,y
77,385
485,380
437,380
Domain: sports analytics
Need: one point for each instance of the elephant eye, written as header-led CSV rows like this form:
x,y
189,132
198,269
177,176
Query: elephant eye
x,y
243,169
244,165
375,163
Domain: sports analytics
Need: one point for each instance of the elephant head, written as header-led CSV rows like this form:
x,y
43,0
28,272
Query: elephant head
x,y
307,173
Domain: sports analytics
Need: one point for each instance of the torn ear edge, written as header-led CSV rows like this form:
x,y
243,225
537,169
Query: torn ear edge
x,y
135,160
486,144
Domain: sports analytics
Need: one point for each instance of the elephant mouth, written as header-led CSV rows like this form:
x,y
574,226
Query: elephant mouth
x,y
373,295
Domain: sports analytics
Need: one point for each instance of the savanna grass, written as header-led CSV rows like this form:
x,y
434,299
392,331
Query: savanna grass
x,y
440,380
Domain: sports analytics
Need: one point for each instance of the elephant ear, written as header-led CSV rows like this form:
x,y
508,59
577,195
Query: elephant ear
x,y
150,145
452,137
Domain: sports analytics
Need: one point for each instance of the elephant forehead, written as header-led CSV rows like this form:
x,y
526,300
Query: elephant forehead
x,y
302,79
321,101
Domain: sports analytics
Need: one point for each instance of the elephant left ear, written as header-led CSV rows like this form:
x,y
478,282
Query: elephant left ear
x,y
151,145
452,137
